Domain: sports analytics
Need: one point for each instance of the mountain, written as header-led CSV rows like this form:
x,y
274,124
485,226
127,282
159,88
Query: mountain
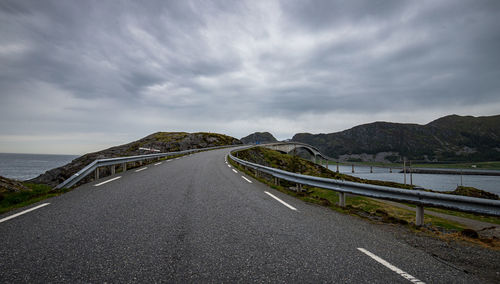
x,y
162,141
450,138
259,137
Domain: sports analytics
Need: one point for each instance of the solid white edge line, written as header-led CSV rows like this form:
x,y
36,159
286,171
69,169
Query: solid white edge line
x,y
23,212
159,163
281,201
141,169
177,158
391,267
107,181
246,179
235,171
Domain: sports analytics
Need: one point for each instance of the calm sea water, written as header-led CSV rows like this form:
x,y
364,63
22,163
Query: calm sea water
x,y
429,181
27,166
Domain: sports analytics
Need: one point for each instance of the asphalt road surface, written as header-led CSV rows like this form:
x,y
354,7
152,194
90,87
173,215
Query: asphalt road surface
x,y
196,219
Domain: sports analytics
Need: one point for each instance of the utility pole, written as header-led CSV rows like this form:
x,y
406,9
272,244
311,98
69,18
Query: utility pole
x,y
404,169
411,175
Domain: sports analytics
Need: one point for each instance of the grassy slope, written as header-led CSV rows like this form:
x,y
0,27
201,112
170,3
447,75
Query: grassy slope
x,y
358,205
38,192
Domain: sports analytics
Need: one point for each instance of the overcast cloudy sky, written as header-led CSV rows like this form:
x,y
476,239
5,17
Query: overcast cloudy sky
x,y
79,76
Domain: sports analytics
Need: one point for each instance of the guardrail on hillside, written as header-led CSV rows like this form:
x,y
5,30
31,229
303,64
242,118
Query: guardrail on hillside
x,y
95,165
417,197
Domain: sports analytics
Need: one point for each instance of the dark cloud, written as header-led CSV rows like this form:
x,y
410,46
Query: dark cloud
x,y
124,69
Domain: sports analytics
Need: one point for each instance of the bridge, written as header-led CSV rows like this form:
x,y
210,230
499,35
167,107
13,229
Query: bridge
x,y
290,147
198,219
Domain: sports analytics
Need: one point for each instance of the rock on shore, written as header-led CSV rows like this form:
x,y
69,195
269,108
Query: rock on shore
x,y
9,185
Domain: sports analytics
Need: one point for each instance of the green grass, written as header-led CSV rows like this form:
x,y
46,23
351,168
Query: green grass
x,y
10,201
357,205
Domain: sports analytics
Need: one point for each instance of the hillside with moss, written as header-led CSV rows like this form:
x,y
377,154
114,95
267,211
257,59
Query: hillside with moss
x,y
162,141
450,138
275,159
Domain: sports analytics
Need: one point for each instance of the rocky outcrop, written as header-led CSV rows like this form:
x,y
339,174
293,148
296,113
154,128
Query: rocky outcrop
x,y
259,138
162,141
473,192
450,138
9,186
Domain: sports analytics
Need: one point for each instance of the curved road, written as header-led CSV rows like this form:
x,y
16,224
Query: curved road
x,y
194,219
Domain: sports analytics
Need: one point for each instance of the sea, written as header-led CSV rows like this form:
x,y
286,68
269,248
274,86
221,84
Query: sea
x,y
438,182
27,166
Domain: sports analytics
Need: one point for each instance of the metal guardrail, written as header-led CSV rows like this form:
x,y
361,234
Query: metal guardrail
x,y
418,197
74,179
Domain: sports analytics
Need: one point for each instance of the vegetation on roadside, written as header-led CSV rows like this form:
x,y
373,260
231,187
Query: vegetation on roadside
x,y
35,193
295,164
364,207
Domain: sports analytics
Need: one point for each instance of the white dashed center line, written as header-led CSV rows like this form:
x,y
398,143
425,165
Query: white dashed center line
x,y
23,212
109,180
229,165
281,201
235,171
391,267
141,169
246,179
158,164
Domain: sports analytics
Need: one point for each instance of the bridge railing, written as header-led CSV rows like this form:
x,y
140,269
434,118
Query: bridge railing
x,y
417,197
95,165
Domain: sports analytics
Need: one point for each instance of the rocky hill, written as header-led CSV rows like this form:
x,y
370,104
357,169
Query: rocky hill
x,y
163,141
259,137
450,138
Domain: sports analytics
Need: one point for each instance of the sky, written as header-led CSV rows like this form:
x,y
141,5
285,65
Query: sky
x,y
81,76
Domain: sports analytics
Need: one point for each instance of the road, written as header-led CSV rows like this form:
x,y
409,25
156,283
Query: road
x,y
195,219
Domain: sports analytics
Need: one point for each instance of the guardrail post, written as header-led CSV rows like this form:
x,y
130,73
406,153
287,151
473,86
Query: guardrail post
x,y
124,166
276,181
419,218
341,199
371,170
256,173
352,168
299,187
97,173
113,169
337,166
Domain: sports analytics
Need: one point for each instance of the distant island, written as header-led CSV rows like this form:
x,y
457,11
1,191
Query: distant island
x,y
259,138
